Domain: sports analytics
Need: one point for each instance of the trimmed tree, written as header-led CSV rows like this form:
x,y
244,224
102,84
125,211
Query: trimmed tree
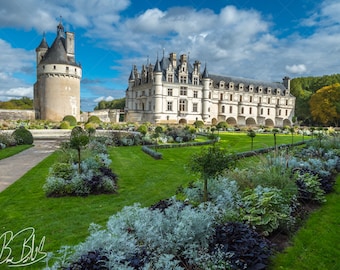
x,y
79,139
210,163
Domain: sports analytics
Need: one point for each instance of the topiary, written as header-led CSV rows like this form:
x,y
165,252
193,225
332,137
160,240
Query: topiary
x,y
94,119
65,125
71,120
22,136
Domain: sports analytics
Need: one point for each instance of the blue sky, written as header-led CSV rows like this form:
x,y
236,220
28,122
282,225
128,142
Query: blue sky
x,y
257,39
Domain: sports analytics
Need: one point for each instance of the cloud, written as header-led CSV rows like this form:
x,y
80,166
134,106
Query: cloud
x,y
296,69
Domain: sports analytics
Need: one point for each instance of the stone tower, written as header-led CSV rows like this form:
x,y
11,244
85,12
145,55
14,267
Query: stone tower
x,y
57,89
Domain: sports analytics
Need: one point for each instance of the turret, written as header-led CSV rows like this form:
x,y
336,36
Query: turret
x,y
206,101
157,73
41,50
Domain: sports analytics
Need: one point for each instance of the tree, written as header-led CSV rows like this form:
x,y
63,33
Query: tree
x,y
275,131
78,140
325,105
251,133
210,163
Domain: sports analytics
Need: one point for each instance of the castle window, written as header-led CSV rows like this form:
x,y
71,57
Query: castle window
x,y
278,91
231,85
260,89
269,90
240,87
209,95
250,99
54,67
251,88
195,94
268,100
231,97
183,79
250,110
43,66
169,108
286,102
67,69
242,110
195,81
278,101
221,96
183,91
286,112
268,111
149,106
260,99
223,109
182,105
231,109
240,98
169,92
170,78
279,112
261,111
194,107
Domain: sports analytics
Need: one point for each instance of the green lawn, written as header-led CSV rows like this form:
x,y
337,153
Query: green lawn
x,y
65,221
316,246
13,150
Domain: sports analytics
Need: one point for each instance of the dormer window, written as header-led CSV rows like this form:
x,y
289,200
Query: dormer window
x,y
221,84
231,86
269,90
240,86
260,89
251,88
278,91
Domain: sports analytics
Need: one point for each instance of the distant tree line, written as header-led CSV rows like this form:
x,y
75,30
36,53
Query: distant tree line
x,y
23,103
113,104
317,100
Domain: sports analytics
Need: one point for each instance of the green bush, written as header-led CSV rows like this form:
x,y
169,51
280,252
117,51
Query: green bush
x,y
266,209
65,125
23,136
71,120
94,119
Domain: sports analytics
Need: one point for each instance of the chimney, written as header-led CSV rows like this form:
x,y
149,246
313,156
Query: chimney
x,y
286,82
173,60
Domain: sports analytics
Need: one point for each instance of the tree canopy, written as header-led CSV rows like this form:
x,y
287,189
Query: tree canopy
x,y
117,104
23,103
325,105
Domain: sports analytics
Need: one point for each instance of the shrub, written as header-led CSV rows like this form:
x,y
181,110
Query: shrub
x,y
23,136
266,209
70,119
247,248
65,125
309,187
94,119
7,140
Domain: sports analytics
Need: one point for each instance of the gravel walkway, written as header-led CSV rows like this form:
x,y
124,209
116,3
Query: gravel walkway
x,y
12,168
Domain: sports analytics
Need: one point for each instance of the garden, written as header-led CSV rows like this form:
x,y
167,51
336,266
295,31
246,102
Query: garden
x,y
198,207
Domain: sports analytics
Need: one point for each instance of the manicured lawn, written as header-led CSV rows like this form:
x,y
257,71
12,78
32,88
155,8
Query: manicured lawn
x,y
317,244
13,150
65,221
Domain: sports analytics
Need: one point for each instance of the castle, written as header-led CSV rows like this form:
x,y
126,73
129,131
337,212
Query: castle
x,y
175,91
57,89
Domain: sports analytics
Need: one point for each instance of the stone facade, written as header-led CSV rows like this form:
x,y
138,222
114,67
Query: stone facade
x,y
57,89
17,114
175,91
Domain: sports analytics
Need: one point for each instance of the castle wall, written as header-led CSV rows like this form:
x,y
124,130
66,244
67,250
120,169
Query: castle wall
x,y
60,98
17,114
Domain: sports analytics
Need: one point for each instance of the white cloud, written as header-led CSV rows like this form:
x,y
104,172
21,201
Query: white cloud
x,y
296,69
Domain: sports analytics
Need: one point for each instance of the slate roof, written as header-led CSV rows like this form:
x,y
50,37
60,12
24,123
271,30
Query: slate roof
x,y
56,54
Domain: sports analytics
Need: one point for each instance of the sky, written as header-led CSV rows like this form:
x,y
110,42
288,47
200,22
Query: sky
x,y
256,39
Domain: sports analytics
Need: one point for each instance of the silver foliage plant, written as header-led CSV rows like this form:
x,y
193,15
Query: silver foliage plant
x,y
179,232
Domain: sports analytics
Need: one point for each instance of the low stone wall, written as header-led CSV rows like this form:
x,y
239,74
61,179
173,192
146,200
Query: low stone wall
x,y
17,114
